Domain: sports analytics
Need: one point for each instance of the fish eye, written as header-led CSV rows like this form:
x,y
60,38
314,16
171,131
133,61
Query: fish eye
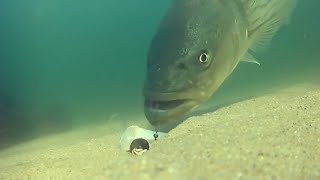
x,y
203,58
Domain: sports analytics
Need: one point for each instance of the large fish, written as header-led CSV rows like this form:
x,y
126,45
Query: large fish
x,y
198,44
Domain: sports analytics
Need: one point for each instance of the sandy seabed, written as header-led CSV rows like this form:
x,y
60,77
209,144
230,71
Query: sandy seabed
x,y
274,136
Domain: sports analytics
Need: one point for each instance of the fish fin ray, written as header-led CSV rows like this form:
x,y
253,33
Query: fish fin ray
x,y
262,32
249,58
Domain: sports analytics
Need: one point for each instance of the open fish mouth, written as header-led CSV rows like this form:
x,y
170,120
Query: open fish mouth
x,y
163,105
161,112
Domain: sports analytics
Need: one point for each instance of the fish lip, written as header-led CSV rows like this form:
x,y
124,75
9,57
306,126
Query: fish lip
x,y
171,107
163,105
165,101
158,117
169,96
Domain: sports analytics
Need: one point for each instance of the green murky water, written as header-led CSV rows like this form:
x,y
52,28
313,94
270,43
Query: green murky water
x,y
66,63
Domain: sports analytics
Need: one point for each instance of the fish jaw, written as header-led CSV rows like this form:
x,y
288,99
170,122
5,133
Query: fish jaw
x,y
166,108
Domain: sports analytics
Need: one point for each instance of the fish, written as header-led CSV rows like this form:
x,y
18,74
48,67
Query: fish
x,y
198,44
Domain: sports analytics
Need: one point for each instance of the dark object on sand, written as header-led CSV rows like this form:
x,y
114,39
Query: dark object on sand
x,y
156,135
139,146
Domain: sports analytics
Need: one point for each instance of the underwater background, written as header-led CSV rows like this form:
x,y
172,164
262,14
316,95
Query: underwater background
x,y
65,64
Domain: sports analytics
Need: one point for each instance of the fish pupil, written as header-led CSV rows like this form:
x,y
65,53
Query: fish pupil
x,y
203,58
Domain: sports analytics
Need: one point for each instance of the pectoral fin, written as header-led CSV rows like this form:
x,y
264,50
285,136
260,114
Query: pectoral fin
x,y
249,58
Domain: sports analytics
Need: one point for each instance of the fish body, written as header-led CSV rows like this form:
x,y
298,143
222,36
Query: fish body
x,y
198,45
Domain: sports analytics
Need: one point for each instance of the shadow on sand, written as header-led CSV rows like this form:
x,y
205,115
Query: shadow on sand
x,y
18,126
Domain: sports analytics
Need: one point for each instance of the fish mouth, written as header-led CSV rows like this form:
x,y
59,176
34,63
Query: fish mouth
x,y
164,111
163,105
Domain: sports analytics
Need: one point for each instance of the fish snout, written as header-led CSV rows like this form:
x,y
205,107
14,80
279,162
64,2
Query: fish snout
x,y
164,108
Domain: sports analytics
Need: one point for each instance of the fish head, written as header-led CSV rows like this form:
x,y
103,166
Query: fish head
x,y
186,61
